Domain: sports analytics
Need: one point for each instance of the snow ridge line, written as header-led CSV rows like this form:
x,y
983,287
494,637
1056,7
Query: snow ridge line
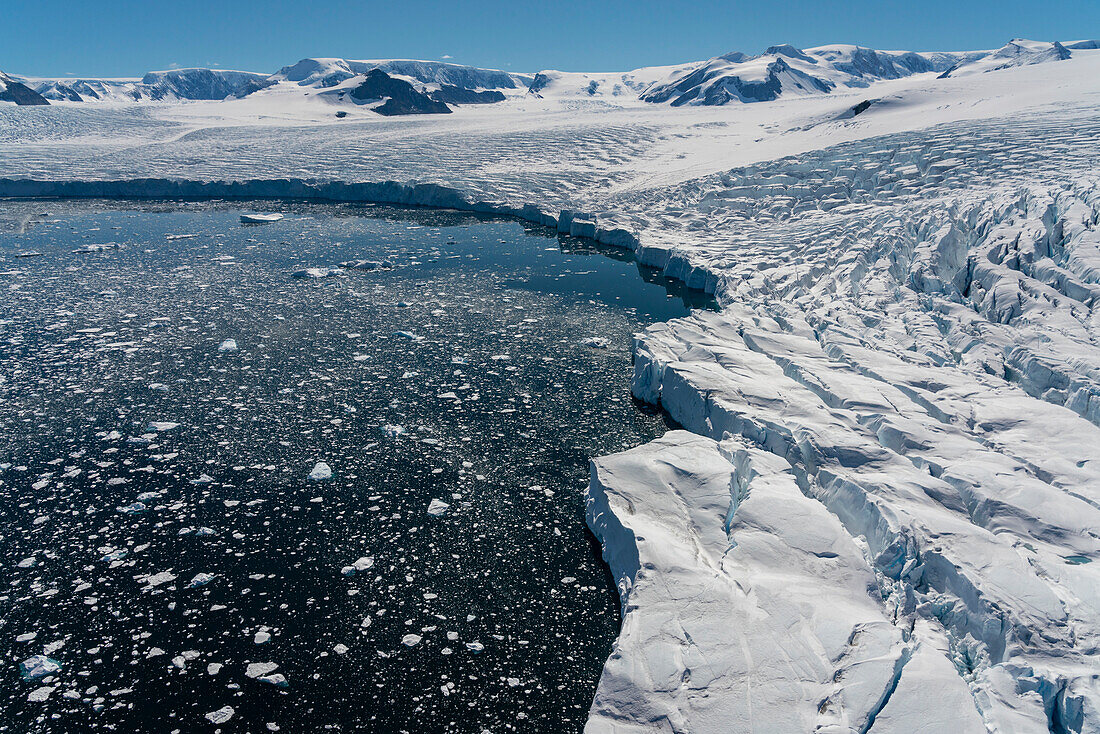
x,y
670,262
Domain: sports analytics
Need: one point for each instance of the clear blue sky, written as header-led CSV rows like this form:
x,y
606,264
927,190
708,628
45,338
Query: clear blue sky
x,y
130,37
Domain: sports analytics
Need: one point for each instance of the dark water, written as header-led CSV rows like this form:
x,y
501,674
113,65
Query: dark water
x,y
159,532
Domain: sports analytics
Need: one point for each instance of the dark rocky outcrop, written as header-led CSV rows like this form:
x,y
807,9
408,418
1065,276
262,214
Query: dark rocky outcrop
x,y
401,97
21,94
457,95
254,85
202,84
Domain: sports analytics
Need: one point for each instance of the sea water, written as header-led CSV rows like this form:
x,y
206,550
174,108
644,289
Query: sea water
x,y
235,496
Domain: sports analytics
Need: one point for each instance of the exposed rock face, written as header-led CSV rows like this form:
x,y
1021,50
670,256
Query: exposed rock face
x,y
457,95
401,97
328,72
21,94
255,85
209,84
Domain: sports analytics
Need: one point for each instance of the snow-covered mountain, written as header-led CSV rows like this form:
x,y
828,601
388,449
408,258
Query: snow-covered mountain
x,y
781,71
208,84
327,72
1018,52
14,91
787,71
157,86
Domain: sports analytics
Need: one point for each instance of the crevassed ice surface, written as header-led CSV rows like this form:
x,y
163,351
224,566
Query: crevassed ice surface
x,y
168,395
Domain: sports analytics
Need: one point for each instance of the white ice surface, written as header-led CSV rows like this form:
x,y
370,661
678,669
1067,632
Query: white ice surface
x,y
886,515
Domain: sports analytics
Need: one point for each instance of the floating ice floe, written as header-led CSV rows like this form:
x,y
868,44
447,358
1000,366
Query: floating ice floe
x,y
408,335
260,218
157,579
222,715
40,694
203,479
367,265
229,345
595,342
411,640
316,273
321,472
437,507
258,670
360,565
132,509
38,666
276,679
200,579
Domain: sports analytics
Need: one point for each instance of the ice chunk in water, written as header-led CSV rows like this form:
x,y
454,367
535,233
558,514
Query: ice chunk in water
x,y
201,579
321,472
596,342
222,715
360,565
38,666
132,509
316,273
392,431
258,670
157,579
367,264
160,426
411,640
437,507
229,345
40,694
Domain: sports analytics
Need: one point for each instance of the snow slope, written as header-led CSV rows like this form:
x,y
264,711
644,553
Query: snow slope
x,y
883,513
787,71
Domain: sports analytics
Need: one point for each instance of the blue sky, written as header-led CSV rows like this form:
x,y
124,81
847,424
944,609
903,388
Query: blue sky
x,y
130,37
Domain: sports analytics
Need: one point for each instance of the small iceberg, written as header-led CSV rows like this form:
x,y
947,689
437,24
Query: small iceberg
x,y
201,579
38,666
321,472
260,218
360,565
316,273
367,265
437,507
222,715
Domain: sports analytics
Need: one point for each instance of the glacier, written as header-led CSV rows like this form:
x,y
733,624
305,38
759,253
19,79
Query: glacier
x,y
882,510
